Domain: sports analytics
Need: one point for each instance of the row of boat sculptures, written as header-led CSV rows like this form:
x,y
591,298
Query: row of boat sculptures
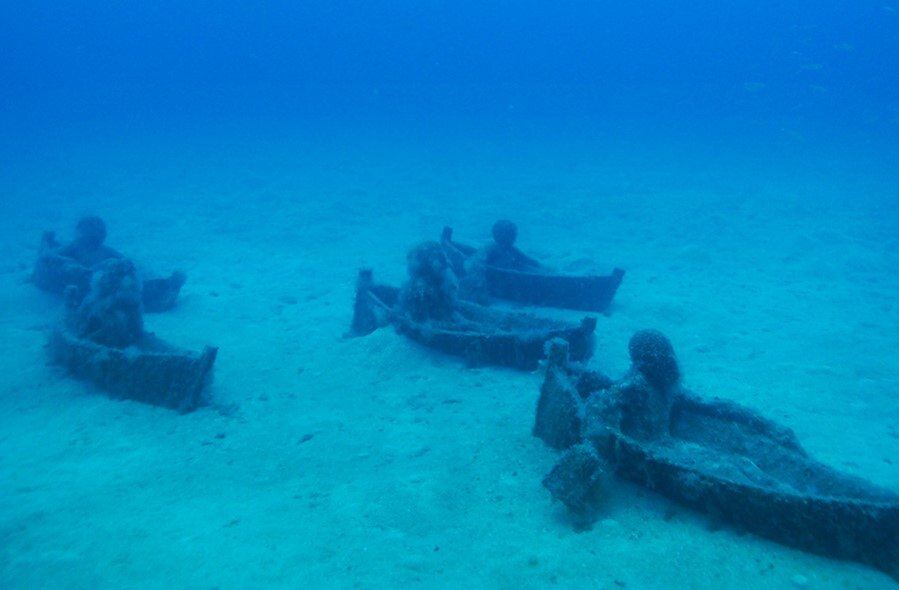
x,y
711,455
102,338
714,456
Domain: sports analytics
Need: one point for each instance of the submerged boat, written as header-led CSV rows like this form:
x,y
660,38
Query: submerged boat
x,y
53,272
151,371
539,287
728,461
479,335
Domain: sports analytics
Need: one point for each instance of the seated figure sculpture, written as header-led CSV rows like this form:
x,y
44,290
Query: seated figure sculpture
x,y
640,403
430,292
111,312
502,253
89,248
60,266
471,265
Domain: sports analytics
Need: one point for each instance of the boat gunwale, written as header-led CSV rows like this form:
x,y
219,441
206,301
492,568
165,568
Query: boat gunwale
x,y
135,350
559,329
616,276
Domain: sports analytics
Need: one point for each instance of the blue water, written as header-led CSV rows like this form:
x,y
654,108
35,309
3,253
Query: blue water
x,y
739,159
698,68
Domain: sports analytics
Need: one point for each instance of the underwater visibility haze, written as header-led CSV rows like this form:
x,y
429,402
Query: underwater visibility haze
x,y
191,189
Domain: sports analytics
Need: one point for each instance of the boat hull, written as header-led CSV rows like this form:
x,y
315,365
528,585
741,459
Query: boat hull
x,y
541,288
479,335
151,372
730,462
582,293
521,350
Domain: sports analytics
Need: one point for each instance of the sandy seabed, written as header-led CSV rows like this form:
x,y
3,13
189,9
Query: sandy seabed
x,y
372,463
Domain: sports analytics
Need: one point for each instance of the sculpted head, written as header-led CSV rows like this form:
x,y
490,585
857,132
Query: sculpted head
x,y
90,231
653,355
428,261
505,233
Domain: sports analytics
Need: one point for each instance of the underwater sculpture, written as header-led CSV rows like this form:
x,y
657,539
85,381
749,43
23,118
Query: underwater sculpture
x,y
503,271
711,455
427,311
59,266
103,341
